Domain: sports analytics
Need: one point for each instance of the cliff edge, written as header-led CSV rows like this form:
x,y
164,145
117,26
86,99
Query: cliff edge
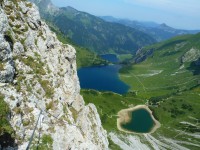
x,y
39,83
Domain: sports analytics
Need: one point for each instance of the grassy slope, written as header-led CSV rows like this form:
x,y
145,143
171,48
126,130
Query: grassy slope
x,y
4,110
181,107
165,64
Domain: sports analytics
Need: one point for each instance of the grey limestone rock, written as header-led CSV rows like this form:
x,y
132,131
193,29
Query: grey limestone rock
x,y
7,70
45,81
191,55
18,49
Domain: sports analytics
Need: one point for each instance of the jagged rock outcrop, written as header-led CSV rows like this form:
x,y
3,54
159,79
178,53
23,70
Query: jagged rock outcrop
x,y
143,55
46,6
38,79
6,60
191,55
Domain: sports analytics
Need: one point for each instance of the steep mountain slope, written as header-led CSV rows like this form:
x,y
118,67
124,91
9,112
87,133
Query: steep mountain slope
x,y
158,31
39,87
94,33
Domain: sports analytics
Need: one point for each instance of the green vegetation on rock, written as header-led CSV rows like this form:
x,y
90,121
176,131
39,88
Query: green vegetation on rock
x,y
5,126
45,143
49,91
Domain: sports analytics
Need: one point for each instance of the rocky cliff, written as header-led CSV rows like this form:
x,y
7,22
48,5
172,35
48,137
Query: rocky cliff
x,y
39,83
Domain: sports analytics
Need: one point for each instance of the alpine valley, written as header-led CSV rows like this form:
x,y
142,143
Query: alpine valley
x,y
138,71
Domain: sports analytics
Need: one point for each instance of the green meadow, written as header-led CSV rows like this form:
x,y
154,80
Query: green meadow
x,y
108,104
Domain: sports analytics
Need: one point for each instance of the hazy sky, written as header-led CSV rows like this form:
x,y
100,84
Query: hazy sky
x,y
183,14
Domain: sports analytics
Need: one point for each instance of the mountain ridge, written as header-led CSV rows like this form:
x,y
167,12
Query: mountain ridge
x,y
159,31
94,33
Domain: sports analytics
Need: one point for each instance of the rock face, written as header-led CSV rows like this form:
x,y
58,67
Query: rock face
x,y
191,55
38,79
6,60
143,55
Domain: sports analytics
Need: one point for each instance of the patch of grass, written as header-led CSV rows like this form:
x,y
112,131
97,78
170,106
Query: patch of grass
x,y
74,113
50,105
28,4
1,66
124,57
5,126
26,122
47,139
112,145
45,143
17,110
46,85
108,105
41,35
12,18
18,26
34,64
20,79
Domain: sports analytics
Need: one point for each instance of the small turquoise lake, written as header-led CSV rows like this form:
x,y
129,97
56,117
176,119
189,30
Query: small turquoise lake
x,y
103,78
141,122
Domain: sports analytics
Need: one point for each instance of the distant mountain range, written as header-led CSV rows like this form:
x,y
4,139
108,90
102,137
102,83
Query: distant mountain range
x,y
159,32
93,32
105,34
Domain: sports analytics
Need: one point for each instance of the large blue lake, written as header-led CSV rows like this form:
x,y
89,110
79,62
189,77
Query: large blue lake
x,y
102,78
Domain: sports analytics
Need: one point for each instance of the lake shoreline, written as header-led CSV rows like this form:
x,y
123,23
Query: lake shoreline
x,y
124,117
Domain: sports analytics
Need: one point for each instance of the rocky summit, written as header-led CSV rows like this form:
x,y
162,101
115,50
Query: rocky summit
x,y
39,84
